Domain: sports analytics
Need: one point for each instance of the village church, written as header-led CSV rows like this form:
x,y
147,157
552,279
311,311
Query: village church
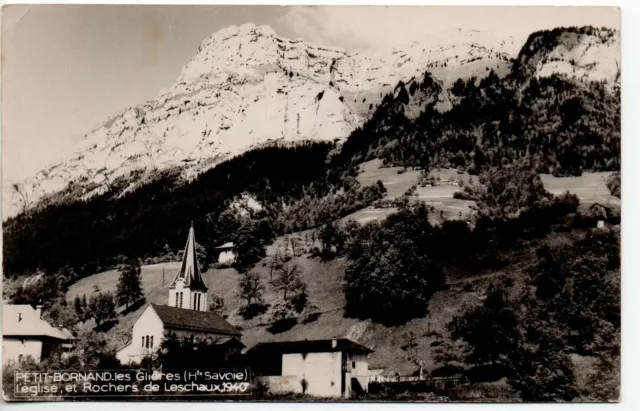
x,y
186,314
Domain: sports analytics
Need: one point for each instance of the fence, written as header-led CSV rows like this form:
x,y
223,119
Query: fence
x,y
409,383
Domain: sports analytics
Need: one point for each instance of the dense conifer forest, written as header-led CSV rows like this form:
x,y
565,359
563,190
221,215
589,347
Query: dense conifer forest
x,y
553,125
90,235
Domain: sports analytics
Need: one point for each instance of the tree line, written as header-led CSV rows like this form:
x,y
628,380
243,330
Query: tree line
x,y
88,236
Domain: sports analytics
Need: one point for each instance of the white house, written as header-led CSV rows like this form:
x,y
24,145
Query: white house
x,y
325,368
226,253
186,314
25,333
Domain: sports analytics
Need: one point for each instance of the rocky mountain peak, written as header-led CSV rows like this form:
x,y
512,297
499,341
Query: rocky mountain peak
x,y
244,87
585,53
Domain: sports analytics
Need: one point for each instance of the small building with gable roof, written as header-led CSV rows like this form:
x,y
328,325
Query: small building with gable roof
x,y
335,367
25,333
226,253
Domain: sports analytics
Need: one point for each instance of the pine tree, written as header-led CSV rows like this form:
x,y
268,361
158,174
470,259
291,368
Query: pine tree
x,y
129,287
77,306
85,308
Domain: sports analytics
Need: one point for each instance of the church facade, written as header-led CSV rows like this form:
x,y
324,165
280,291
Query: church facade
x,y
185,315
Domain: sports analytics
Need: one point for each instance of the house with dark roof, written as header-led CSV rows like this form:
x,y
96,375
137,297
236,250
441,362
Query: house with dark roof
x,y
335,367
187,315
25,333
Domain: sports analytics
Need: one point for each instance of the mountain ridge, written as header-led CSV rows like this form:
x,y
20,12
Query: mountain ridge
x,y
246,87
275,89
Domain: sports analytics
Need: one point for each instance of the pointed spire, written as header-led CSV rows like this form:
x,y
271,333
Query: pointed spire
x,y
189,270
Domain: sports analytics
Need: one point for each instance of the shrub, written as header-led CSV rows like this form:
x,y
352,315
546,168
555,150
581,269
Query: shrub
x,y
613,184
217,304
103,307
283,316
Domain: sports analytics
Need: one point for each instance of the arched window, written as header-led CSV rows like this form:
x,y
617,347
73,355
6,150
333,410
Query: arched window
x,y
20,359
147,342
142,342
180,300
195,301
151,341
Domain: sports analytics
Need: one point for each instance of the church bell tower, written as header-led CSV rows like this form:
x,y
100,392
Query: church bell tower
x,y
188,290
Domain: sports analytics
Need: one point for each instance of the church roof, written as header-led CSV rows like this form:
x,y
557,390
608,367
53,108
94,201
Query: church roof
x,y
185,319
189,270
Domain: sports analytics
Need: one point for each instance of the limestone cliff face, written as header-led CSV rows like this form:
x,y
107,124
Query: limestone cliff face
x,y
245,86
583,53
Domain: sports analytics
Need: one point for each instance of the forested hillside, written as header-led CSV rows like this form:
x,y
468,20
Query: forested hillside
x,y
553,125
87,235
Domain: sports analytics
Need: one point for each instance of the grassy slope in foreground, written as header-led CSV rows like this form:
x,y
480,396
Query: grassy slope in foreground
x,y
324,280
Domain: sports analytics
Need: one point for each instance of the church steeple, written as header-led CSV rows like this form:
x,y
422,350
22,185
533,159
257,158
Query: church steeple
x,y
188,290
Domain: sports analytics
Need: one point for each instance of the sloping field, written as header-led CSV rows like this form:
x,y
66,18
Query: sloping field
x,y
370,214
396,183
324,281
589,187
439,196
155,291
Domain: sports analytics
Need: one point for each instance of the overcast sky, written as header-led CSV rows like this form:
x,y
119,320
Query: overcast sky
x,y
65,69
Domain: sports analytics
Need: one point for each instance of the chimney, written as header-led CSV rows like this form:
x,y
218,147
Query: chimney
x,y
334,342
39,310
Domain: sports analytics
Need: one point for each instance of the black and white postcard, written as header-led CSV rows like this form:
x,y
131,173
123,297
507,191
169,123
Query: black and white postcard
x,y
311,203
